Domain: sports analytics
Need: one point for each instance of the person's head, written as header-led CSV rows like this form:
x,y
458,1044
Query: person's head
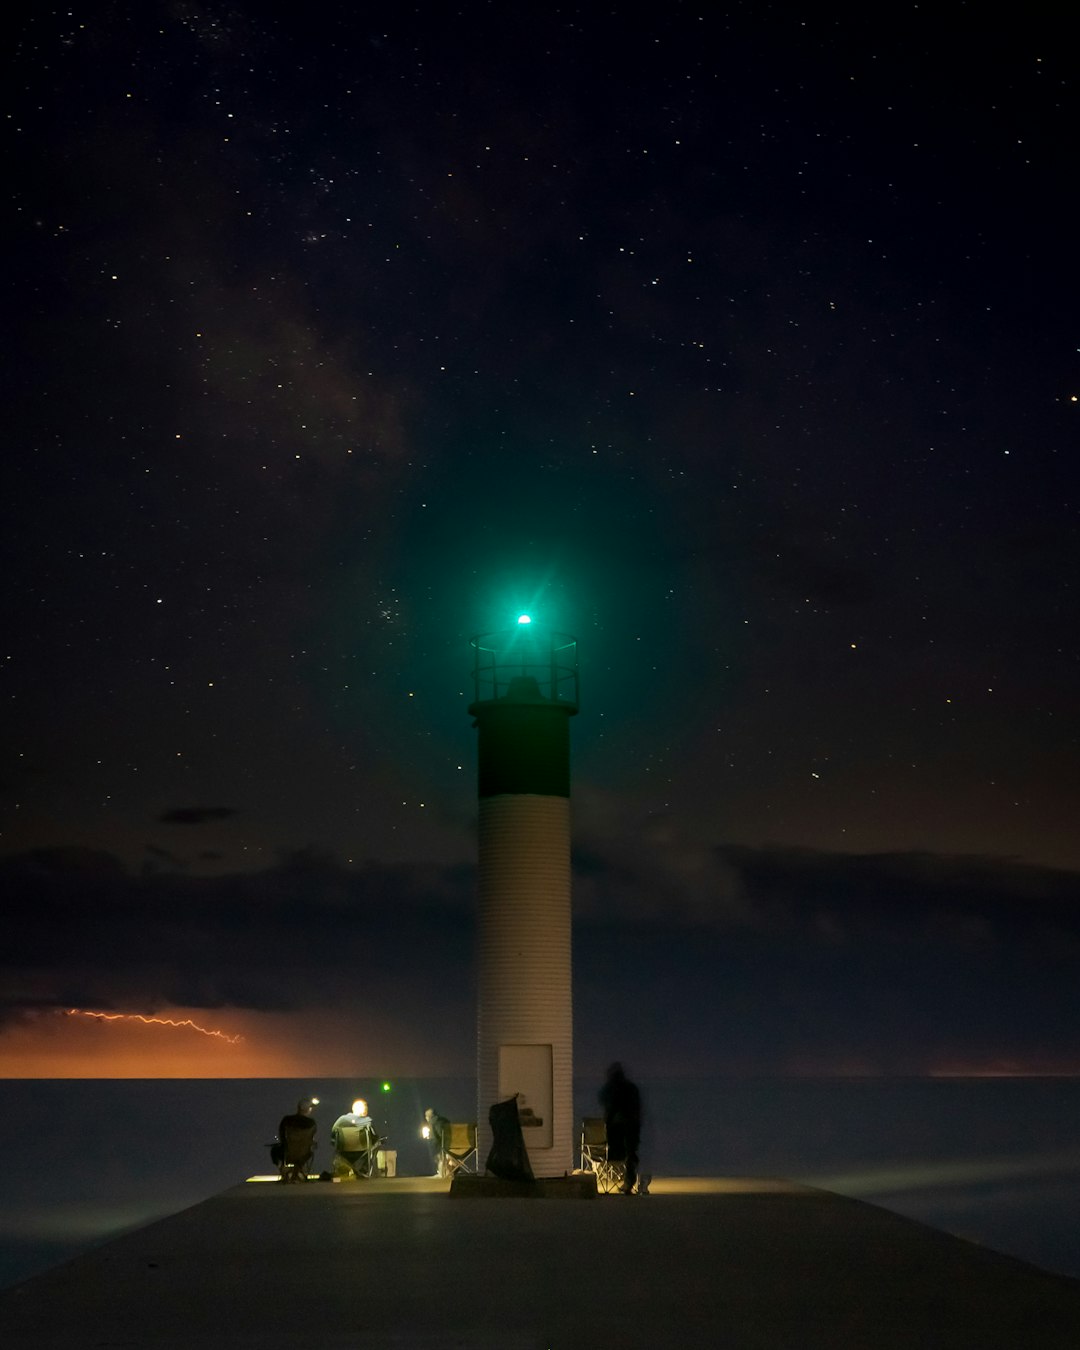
x,y
307,1106
359,1107
615,1072
429,1114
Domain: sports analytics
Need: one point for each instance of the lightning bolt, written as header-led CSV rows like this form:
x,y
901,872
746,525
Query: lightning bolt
x,y
186,1024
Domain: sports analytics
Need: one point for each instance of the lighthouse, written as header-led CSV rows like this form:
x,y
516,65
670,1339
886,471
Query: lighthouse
x,y
525,682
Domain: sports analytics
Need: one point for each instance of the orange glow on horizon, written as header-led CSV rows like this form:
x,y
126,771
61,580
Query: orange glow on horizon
x,y
318,1042
951,1066
1008,1069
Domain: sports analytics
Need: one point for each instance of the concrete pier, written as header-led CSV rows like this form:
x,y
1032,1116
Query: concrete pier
x,y
742,1264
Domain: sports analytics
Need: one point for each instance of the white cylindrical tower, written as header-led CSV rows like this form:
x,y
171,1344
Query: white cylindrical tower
x,y
526,691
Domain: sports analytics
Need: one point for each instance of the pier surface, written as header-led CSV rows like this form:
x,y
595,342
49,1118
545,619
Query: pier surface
x,y
740,1263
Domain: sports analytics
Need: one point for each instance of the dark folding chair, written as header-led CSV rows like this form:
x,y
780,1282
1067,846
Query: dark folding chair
x,y
297,1151
362,1143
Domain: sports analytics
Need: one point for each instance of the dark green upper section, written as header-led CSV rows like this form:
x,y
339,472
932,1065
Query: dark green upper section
x,y
524,742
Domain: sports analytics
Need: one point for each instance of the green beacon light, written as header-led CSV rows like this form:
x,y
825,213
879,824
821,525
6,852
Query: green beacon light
x,y
524,618
386,1087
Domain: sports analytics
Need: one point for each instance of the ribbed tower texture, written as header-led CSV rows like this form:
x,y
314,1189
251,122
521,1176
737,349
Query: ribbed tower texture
x,y
524,984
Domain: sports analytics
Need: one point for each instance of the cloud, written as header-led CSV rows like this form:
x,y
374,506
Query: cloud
x,y
648,868
308,932
634,868
686,954
800,569
195,815
807,559
775,959
971,901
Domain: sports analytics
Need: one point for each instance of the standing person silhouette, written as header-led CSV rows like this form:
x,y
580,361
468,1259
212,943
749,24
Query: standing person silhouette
x,y
621,1102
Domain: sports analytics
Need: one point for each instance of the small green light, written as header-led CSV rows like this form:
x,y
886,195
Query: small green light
x,y
524,618
386,1087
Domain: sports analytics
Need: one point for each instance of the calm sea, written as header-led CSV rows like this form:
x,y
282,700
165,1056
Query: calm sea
x,y
993,1160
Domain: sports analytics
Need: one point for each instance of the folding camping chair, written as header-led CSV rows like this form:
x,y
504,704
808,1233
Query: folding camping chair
x,y
594,1156
459,1148
297,1151
357,1150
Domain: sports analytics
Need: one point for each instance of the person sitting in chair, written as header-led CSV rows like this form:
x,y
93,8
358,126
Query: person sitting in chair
x,y
434,1130
295,1146
355,1140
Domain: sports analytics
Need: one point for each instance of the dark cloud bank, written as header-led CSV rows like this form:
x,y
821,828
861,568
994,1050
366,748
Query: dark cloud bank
x,y
732,959
195,815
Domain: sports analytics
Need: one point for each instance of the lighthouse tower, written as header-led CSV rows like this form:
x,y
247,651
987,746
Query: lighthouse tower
x,y
526,690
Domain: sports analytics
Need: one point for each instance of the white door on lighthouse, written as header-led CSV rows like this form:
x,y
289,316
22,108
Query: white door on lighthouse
x,y
525,1071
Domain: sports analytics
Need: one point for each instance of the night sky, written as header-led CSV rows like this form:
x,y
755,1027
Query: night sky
x,y
739,341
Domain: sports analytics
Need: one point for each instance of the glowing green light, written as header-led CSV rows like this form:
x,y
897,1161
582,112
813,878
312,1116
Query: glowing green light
x,y
386,1087
524,618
